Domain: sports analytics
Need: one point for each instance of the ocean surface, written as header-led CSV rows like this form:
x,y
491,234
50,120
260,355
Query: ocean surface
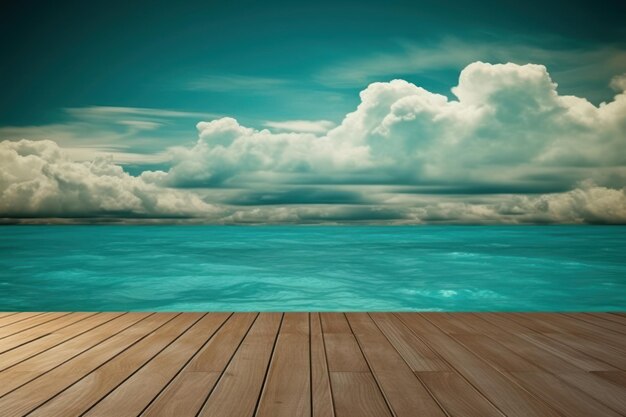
x,y
291,268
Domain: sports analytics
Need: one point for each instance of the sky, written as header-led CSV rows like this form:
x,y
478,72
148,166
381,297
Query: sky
x,y
243,112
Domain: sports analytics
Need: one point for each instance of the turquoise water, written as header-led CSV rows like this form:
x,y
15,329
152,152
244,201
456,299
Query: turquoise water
x,y
451,268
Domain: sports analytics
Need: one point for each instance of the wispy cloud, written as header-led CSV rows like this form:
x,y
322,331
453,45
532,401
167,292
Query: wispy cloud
x,y
94,112
305,126
234,82
130,135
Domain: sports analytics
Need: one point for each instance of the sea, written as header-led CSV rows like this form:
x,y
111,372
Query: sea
x,y
312,268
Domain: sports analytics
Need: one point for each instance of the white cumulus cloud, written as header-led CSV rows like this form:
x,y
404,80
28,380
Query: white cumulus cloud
x,y
37,179
508,125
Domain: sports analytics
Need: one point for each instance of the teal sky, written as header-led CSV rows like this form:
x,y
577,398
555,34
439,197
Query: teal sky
x,y
282,60
132,79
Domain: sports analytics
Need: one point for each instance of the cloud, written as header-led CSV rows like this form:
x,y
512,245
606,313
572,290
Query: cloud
x,y
38,180
108,112
508,127
306,126
507,149
299,195
130,135
234,82
588,203
618,83
581,68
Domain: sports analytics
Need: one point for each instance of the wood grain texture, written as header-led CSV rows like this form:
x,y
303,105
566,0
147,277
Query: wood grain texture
x,y
38,365
29,323
21,338
312,364
616,377
414,351
405,393
575,357
565,398
457,396
16,317
136,393
239,388
45,386
342,350
322,400
287,390
357,395
34,347
507,396
81,396
214,356
609,392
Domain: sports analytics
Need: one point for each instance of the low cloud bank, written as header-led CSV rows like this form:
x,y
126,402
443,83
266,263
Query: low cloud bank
x,y
38,180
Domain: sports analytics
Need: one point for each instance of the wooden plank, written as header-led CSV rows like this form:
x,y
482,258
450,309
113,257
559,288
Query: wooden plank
x,y
342,350
215,355
83,394
343,353
135,394
610,317
334,323
616,377
494,353
168,402
29,323
558,323
590,347
238,390
538,357
482,326
321,401
29,396
528,320
181,398
457,396
511,399
23,352
543,358
607,392
418,324
288,386
586,324
504,322
450,323
568,354
566,399
599,321
405,394
412,349
21,338
356,395
16,317
584,330
37,365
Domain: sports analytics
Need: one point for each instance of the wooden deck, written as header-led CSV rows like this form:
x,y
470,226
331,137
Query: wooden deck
x,y
320,365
